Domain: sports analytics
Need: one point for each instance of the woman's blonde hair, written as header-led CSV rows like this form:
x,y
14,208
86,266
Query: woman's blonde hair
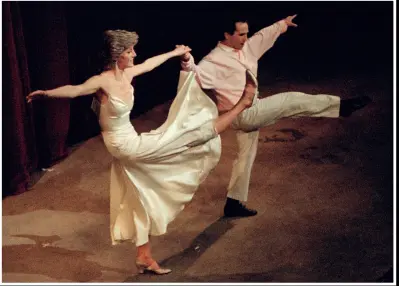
x,y
116,42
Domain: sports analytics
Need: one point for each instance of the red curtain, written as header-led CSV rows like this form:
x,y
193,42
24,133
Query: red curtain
x,y
35,56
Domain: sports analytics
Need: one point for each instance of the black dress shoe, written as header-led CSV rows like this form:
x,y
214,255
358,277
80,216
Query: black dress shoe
x,y
348,106
235,208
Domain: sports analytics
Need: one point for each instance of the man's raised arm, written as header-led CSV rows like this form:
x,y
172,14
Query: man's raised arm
x,y
264,39
204,71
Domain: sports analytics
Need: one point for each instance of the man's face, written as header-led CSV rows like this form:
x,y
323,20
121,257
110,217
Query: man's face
x,y
240,36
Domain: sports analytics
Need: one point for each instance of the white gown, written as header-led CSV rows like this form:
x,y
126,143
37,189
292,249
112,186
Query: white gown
x,y
153,175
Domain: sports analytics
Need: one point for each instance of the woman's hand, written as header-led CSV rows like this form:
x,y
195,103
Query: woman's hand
x,y
181,50
38,94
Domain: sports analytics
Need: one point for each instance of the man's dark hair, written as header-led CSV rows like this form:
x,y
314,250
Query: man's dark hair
x,y
229,24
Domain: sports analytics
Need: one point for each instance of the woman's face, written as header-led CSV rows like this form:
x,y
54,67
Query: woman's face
x,y
126,58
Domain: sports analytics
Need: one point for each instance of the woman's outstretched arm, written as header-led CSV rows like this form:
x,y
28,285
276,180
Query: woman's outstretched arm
x,y
156,61
90,86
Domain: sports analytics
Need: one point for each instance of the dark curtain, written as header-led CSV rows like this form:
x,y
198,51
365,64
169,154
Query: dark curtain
x,y
19,154
46,40
35,56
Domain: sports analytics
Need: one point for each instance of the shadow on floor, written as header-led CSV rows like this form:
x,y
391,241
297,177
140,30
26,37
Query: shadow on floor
x,y
182,261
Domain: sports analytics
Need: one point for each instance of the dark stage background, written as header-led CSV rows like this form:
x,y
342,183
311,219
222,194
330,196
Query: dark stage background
x,y
47,44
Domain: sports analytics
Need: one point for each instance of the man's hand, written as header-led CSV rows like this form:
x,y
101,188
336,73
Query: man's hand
x,y
185,57
289,22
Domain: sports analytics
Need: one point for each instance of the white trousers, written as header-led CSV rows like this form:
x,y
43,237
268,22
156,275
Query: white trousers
x,y
265,112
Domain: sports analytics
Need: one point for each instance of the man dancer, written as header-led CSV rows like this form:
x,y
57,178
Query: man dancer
x,y
223,72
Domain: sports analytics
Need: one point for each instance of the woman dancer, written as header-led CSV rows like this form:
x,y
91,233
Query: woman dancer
x,y
153,175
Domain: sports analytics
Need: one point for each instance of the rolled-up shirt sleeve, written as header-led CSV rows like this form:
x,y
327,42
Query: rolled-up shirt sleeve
x,y
264,39
204,72
188,65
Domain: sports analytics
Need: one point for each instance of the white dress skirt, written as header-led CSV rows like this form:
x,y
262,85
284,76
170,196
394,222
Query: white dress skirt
x,y
154,174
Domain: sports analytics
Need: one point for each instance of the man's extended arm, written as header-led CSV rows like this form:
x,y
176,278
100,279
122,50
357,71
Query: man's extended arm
x,y
264,39
204,71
